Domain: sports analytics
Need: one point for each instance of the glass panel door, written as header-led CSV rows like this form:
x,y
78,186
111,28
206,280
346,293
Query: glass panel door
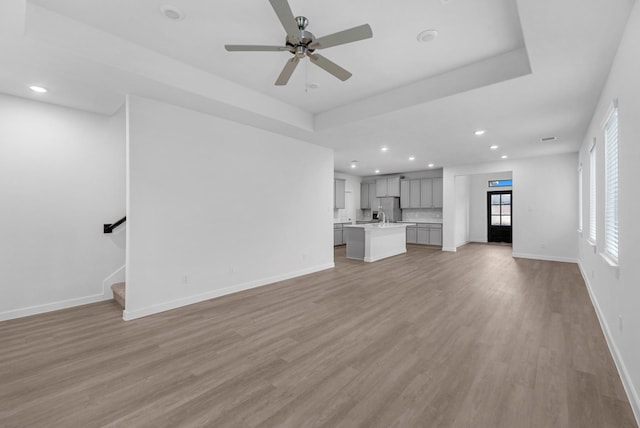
x,y
499,216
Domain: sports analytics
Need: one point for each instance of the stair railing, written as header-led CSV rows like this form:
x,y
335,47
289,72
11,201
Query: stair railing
x,y
108,228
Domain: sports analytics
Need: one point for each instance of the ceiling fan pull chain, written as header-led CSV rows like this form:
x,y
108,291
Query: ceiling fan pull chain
x,y
306,76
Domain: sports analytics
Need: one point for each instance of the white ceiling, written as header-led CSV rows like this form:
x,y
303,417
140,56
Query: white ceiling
x,y
522,70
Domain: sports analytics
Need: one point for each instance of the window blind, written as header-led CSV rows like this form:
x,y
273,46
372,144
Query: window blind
x,y
611,185
592,193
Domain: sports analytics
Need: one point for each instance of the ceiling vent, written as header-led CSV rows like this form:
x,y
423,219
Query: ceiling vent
x,y
547,139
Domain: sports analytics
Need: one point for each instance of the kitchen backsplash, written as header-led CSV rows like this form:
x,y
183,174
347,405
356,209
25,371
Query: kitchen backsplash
x,y
409,214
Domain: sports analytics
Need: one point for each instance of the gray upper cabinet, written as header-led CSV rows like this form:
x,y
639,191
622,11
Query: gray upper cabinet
x,y
338,194
373,201
437,192
405,194
415,194
365,202
389,186
426,193
410,194
393,186
381,187
368,200
430,193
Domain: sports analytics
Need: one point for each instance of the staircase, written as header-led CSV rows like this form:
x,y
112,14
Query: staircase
x,y
119,293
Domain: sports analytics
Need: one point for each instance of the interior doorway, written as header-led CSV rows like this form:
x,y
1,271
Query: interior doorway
x,y
499,216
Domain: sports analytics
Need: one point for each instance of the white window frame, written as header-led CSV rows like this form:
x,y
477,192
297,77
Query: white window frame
x,y
580,200
611,188
592,233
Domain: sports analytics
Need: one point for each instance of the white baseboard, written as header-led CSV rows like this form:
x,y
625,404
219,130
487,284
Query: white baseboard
x,y
450,249
460,244
189,300
627,383
544,257
48,307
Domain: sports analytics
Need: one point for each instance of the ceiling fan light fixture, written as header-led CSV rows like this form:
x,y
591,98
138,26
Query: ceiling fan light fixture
x,y
172,12
427,35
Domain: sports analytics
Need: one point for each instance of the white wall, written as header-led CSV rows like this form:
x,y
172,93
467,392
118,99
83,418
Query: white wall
x,y
216,207
479,187
616,291
462,186
544,211
62,175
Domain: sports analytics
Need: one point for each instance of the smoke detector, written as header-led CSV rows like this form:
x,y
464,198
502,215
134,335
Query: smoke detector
x,y
172,12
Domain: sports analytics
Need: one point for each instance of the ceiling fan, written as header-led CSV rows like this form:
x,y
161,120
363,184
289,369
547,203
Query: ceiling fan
x,y
302,43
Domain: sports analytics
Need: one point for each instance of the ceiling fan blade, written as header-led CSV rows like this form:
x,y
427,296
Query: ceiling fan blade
x,y
255,48
288,21
341,37
330,67
287,71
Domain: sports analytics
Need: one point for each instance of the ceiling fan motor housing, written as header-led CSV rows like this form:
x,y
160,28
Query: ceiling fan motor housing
x,y
301,48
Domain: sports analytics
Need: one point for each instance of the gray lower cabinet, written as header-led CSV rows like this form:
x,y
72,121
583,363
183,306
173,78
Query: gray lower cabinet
x,y
425,234
412,235
435,236
339,234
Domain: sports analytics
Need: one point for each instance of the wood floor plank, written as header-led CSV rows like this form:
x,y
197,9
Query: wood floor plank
x,y
427,338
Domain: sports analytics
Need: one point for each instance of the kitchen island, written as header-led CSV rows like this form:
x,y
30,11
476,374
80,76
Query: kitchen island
x,y
372,242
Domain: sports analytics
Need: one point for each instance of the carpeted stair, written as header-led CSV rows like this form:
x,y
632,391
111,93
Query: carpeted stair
x,y
119,293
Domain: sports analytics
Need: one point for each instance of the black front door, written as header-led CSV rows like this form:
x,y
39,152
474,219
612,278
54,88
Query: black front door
x,y
499,216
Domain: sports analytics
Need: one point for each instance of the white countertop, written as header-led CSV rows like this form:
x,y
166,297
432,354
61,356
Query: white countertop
x,y
424,220
379,226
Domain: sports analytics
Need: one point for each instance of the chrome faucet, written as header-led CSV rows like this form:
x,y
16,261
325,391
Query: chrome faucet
x,y
383,219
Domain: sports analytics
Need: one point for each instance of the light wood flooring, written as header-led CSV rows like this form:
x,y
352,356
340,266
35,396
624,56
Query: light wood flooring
x,y
425,339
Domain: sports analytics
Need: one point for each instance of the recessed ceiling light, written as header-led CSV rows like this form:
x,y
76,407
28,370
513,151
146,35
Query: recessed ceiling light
x,y
313,86
412,158
354,163
427,36
377,171
493,147
38,89
384,149
431,165
504,156
480,132
172,12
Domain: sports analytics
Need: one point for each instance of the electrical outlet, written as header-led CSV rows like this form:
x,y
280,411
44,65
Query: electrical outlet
x,y
620,323
232,269
185,279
